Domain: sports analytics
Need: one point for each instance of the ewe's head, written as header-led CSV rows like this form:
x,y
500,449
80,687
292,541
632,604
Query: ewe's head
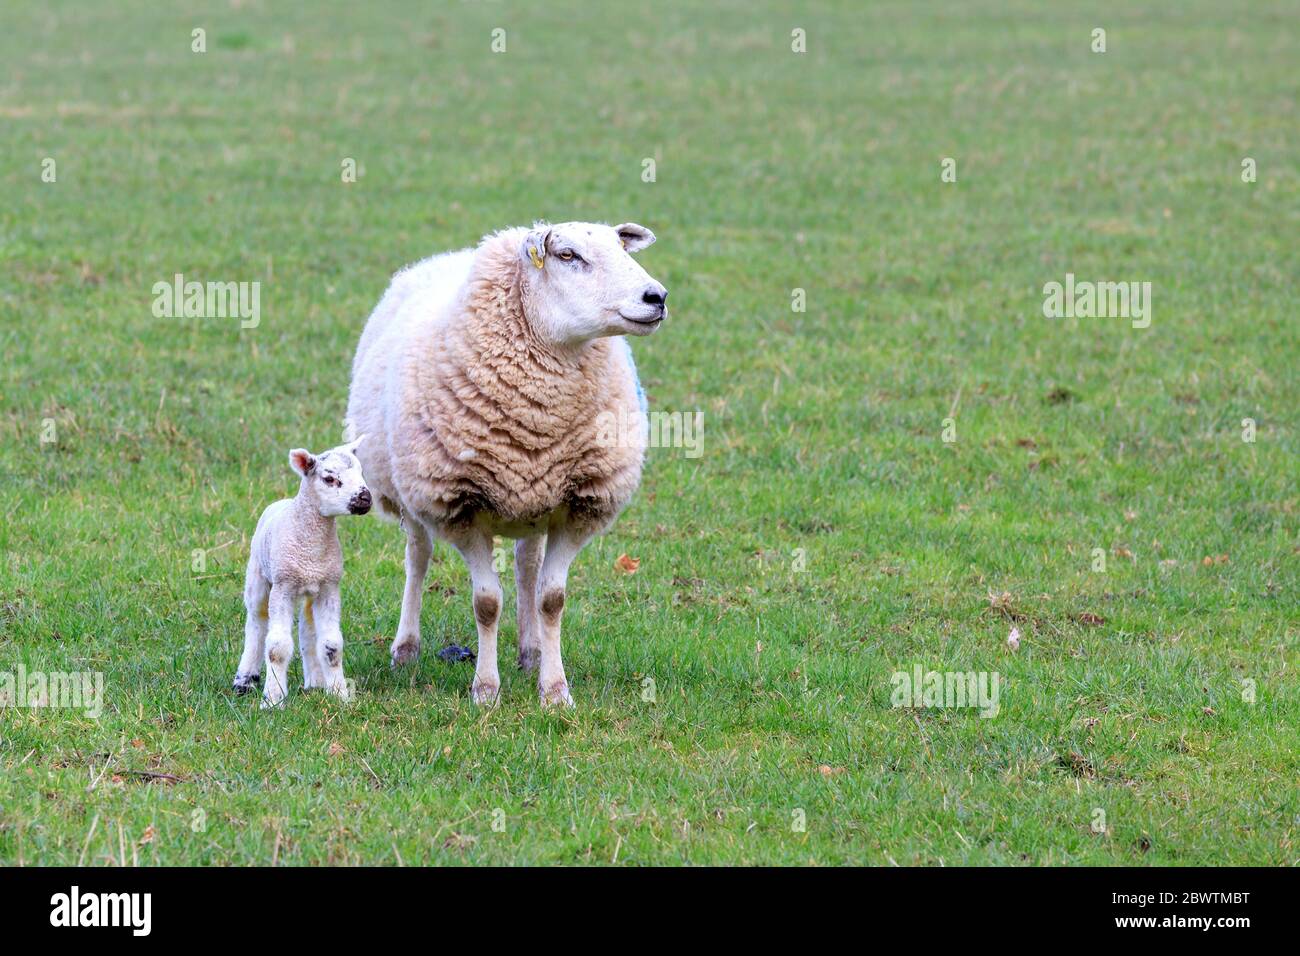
x,y
580,283
334,479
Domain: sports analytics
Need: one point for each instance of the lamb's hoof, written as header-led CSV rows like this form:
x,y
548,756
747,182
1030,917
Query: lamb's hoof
x,y
529,658
556,694
246,682
405,652
342,690
271,703
485,694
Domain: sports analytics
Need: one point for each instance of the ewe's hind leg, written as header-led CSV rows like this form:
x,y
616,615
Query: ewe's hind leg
x,y
528,562
256,593
279,646
406,646
562,546
476,548
311,668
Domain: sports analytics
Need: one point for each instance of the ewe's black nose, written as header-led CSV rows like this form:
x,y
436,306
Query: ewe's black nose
x,y
360,502
655,295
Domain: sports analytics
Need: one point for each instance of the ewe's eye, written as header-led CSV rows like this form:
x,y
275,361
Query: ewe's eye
x,y
568,255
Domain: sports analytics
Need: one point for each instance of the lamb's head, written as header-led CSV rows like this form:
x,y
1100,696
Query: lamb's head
x,y
579,282
333,479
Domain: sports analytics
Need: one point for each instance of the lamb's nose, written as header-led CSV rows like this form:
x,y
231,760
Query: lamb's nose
x,y
655,295
360,502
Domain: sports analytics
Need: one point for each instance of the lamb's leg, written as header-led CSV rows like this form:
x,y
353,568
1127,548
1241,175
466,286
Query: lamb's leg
x,y
311,668
476,548
406,646
279,646
528,562
562,545
330,646
256,593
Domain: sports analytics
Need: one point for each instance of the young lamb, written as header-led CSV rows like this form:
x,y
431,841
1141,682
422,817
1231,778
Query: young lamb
x,y
295,560
483,377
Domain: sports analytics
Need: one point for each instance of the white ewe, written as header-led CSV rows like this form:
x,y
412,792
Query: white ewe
x,y
480,378
295,559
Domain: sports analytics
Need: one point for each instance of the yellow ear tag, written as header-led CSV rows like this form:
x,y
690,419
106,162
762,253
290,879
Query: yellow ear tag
x,y
532,254
623,243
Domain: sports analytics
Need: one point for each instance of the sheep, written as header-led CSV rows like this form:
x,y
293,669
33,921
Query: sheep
x,y
295,560
483,376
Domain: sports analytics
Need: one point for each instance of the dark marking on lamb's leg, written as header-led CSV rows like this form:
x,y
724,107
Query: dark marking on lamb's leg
x,y
246,682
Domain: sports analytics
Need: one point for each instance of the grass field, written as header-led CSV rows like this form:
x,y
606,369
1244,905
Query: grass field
x,y
827,537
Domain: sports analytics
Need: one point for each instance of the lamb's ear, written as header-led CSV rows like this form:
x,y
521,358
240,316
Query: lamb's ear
x,y
302,461
533,249
634,237
355,443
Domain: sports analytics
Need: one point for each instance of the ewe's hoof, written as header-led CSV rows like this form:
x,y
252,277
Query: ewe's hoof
x,y
555,694
246,682
529,658
485,694
341,690
405,652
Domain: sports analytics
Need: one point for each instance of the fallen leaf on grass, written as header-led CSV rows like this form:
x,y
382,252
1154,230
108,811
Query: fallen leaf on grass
x,y
1088,619
1077,764
627,565
459,841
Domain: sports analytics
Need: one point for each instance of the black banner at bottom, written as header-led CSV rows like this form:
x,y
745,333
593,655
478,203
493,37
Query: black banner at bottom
x,y
337,905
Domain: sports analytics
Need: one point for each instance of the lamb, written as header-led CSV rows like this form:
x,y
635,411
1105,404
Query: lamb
x,y
483,377
295,560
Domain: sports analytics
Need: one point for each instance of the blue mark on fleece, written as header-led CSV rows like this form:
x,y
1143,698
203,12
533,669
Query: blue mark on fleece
x,y
636,380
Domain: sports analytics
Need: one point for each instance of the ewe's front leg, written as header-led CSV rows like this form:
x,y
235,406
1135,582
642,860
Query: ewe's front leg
x,y
562,546
528,563
311,671
476,548
329,647
406,646
279,646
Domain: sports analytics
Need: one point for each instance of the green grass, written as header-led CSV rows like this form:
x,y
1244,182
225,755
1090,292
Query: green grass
x,y
775,171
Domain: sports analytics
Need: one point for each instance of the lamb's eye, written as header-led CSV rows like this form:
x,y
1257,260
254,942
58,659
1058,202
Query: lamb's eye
x,y
332,481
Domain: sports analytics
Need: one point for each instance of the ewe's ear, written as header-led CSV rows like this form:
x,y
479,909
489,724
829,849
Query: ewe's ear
x,y
302,461
533,249
634,237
